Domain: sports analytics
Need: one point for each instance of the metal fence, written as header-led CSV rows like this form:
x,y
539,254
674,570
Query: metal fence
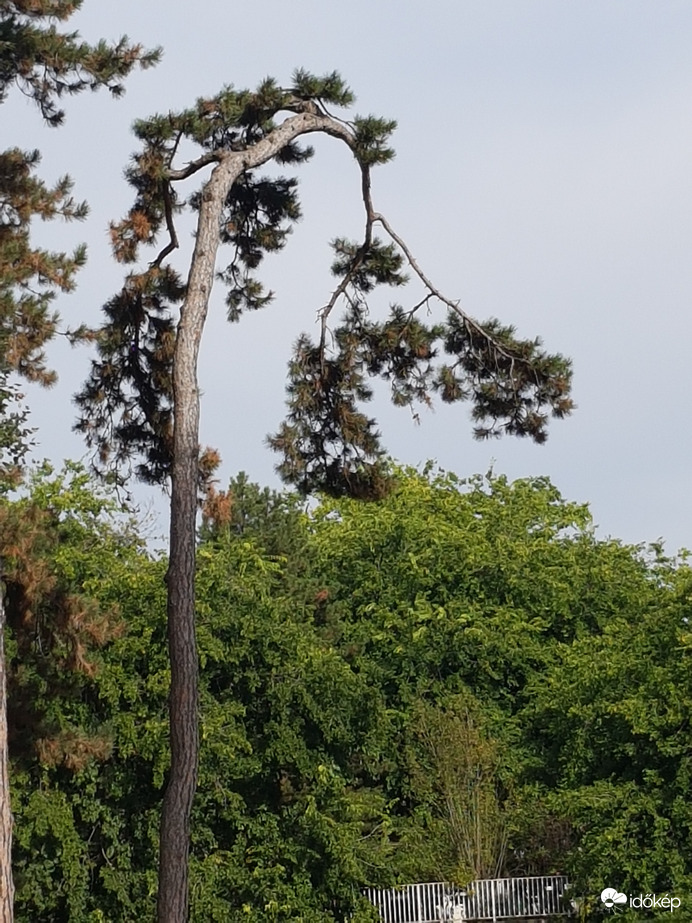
x,y
489,899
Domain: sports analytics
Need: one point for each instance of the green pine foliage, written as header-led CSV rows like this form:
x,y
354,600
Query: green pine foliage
x,y
30,278
46,65
328,442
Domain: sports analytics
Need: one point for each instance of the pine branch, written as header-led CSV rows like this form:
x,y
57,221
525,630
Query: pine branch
x,y
170,225
509,381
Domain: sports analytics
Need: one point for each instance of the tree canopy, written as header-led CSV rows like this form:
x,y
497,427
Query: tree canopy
x,y
327,442
460,679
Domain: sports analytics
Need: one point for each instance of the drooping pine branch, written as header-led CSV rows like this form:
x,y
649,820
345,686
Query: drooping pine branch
x,y
513,385
327,442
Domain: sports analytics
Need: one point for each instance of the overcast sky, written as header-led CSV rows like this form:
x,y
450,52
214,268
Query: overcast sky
x,y
543,175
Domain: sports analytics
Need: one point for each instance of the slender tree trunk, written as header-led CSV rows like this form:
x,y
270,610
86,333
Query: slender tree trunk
x,y
182,642
183,699
6,882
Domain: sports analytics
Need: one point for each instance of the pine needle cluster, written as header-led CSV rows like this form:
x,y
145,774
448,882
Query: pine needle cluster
x,y
47,64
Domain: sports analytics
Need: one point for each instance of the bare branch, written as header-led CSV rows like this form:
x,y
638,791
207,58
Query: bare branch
x,y
195,166
170,225
469,322
341,289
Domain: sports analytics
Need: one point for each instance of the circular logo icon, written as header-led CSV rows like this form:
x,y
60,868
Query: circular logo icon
x,y
610,897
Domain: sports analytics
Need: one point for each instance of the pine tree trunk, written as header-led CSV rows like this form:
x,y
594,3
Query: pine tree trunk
x,y
6,882
184,744
183,699
182,643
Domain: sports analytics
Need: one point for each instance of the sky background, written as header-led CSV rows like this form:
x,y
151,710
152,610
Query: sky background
x,y
543,176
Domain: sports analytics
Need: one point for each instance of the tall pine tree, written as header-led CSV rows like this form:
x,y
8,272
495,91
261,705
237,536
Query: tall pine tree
x,y
45,64
142,398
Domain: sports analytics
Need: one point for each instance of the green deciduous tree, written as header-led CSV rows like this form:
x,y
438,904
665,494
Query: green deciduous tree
x,y
388,692
611,718
574,649
455,772
142,397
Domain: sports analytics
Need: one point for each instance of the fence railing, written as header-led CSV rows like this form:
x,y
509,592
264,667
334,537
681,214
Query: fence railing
x,y
493,899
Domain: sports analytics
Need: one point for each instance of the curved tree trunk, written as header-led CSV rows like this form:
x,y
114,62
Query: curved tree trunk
x,y
183,699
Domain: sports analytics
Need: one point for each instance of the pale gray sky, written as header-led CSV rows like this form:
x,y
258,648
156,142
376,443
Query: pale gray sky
x,y
543,175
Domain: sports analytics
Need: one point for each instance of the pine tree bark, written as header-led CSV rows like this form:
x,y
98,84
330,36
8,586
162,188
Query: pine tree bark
x,y
173,894
182,643
6,880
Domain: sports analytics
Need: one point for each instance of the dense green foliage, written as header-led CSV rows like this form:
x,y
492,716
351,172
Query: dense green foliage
x,y
456,681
